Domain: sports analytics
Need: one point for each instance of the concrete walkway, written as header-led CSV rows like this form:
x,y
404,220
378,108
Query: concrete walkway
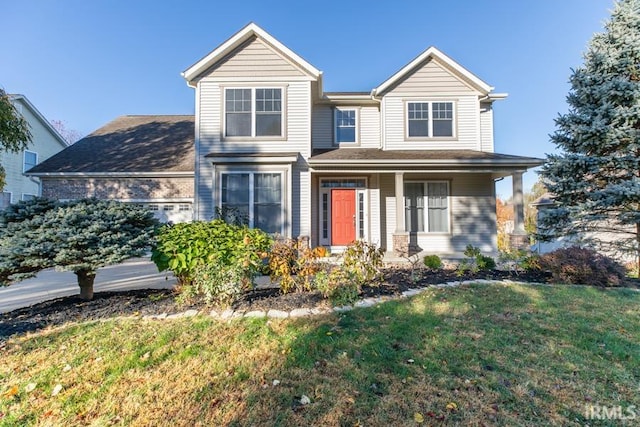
x,y
137,273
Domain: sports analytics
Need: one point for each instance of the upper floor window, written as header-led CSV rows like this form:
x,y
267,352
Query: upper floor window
x,y
430,119
30,160
253,112
346,130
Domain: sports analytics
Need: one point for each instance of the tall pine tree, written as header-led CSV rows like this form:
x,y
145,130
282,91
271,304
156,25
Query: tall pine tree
x,y
596,176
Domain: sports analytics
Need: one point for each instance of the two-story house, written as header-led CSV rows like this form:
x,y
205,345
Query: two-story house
x,y
409,165
45,142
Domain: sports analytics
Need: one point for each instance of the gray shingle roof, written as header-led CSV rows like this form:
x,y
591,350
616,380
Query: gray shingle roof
x,y
378,155
129,144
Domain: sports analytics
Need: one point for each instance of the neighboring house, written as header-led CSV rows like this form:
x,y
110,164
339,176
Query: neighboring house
x,y
45,142
146,160
409,166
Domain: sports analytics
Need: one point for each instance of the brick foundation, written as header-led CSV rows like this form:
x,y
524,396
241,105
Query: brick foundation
x,y
519,241
401,244
117,188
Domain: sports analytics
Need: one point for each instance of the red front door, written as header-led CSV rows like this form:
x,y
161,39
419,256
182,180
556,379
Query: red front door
x,y
343,217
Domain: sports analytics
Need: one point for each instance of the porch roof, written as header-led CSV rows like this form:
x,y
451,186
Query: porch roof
x,y
433,159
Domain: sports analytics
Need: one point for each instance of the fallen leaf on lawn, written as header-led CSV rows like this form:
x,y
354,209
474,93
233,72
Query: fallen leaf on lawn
x,y
418,417
410,361
67,368
304,399
30,387
145,356
452,406
11,392
57,389
276,382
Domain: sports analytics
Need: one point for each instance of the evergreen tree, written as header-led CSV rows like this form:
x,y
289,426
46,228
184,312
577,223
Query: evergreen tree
x,y
596,177
79,236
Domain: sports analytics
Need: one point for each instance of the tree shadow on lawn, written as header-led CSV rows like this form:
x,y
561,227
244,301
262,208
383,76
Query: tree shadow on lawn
x,y
499,355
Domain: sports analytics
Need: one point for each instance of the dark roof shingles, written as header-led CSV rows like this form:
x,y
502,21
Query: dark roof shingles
x,y
130,144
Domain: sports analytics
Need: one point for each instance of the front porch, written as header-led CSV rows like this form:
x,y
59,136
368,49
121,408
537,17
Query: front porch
x,y
437,204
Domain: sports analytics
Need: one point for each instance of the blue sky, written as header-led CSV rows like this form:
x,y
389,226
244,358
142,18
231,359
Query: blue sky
x,y
87,62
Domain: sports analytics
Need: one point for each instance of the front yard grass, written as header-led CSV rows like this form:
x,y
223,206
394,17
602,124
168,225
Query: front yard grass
x,y
474,355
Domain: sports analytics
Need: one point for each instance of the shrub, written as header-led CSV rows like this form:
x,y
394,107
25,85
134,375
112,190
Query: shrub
x,y
519,261
576,265
432,262
475,261
363,261
294,264
338,285
217,284
182,248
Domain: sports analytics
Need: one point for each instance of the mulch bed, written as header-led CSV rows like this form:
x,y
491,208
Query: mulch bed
x,y
157,301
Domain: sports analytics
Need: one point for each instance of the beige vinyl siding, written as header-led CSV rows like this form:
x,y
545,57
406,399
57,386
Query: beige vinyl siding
x,y
486,127
296,118
254,59
370,127
466,125
472,213
322,126
432,79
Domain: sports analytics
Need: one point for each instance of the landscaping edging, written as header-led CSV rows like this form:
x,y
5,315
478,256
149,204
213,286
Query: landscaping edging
x,y
229,313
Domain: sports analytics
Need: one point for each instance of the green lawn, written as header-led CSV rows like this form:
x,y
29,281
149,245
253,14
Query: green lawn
x,y
479,355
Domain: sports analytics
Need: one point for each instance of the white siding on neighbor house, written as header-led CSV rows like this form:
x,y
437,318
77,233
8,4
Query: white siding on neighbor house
x,y
43,142
486,127
472,213
466,126
254,59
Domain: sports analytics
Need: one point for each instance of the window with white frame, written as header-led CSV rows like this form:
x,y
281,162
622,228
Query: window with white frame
x,y
253,198
253,112
430,119
427,206
30,160
345,125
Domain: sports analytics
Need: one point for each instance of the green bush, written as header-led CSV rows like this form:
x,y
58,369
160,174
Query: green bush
x,y
337,285
519,261
475,261
583,266
182,248
217,284
363,261
432,262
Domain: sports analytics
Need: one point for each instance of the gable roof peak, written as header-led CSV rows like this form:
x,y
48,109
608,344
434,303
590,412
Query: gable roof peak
x,y
245,33
433,52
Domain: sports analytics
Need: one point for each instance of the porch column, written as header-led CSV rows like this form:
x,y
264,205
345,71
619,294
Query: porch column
x,y
400,202
518,238
400,237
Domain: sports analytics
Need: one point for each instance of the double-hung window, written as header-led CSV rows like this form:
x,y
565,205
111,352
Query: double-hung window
x,y
346,122
253,112
254,199
30,160
430,119
426,206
